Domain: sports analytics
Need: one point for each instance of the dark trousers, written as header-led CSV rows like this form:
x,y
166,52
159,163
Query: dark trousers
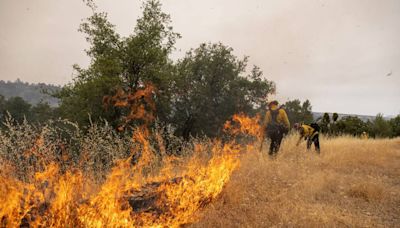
x,y
276,139
315,140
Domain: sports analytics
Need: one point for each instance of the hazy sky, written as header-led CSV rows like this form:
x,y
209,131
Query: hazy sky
x,y
337,53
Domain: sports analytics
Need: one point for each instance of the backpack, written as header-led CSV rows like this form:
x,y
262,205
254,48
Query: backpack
x,y
315,126
274,127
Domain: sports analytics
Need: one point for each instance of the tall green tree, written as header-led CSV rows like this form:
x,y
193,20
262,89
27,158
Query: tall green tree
x,y
121,62
196,95
18,108
326,121
333,127
42,112
212,86
381,127
395,124
326,118
306,110
299,112
293,109
335,117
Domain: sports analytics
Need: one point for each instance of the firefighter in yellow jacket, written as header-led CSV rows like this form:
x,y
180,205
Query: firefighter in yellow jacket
x,y
276,124
309,133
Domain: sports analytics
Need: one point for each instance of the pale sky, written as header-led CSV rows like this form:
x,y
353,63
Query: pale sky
x,y
336,53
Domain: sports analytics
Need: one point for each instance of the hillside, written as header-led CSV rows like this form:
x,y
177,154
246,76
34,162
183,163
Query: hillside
x,y
365,118
32,93
353,183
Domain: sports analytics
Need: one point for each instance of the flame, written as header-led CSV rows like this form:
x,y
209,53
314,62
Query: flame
x,y
145,189
141,104
247,125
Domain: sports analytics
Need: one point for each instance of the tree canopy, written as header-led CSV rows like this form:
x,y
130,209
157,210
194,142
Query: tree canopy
x,y
211,85
299,112
195,94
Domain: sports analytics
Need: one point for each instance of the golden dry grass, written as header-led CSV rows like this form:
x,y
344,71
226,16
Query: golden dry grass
x,y
353,182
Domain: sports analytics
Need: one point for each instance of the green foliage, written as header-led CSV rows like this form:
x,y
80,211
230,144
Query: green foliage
x,y
335,117
212,86
293,110
42,112
306,110
326,119
351,125
378,128
18,109
395,125
326,123
381,128
299,113
196,95
31,93
116,62
2,104
333,128
84,96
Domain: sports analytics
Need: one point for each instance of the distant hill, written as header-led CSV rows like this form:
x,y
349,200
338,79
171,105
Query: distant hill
x,y
31,93
365,118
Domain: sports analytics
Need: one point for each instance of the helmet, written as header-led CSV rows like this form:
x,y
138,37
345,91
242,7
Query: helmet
x,y
274,102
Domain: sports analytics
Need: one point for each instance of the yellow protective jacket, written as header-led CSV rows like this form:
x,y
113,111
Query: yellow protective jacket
x,y
307,132
281,118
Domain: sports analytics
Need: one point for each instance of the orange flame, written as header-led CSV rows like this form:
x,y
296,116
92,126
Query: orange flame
x,y
244,125
145,189
141,104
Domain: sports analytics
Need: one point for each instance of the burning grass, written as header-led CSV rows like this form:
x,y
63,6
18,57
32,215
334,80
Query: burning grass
x,y
58,176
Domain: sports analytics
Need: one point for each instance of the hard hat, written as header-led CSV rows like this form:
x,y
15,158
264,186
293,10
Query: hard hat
x,y
274,102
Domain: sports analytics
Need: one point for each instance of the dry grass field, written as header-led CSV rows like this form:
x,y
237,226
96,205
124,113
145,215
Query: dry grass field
x,y
353,183
91,182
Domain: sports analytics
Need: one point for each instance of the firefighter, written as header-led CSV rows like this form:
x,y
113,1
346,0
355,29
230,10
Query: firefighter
x,y
276,125
309,133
